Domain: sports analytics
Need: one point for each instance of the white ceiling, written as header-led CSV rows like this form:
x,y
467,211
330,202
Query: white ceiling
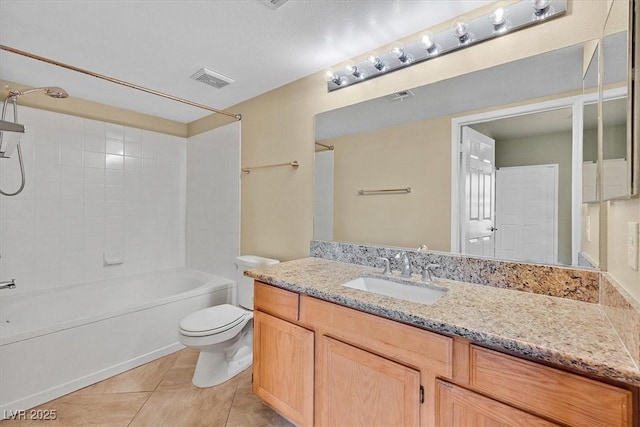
x,y
160,44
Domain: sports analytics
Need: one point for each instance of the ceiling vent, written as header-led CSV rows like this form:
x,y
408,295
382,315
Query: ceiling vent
x,y
400,96
211,78
274,4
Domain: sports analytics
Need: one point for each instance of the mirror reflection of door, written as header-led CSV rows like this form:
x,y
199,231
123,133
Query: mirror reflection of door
x,y
533,158
527,213
478,159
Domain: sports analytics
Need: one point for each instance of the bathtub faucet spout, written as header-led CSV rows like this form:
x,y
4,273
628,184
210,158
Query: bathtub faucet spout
x,y
9,284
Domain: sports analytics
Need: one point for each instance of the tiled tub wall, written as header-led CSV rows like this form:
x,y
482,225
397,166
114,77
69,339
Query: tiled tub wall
x,y
93,188
577,284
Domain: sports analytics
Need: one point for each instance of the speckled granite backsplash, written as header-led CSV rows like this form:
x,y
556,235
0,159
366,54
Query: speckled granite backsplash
x,y
572,283
623,313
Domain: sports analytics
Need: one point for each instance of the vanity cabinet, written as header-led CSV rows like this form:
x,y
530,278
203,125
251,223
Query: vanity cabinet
x,y
283,358
323,364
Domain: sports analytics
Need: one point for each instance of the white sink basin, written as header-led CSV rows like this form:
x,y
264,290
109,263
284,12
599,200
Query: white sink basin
x,y
413,293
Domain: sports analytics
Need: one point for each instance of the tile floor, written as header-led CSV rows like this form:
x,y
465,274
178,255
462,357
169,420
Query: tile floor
x,y
157,394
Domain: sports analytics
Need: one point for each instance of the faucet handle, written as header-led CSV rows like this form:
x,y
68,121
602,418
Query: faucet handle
x,y
427,273
387,267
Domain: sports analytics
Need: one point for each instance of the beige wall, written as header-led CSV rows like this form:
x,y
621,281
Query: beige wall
x,y
416,155
96,111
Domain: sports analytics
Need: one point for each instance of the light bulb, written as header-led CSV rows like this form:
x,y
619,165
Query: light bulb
x,y
399,52
460,27
334,78
499,16
429,43
377,63
542,9
427,40
460,30
499,20
541,4
353,70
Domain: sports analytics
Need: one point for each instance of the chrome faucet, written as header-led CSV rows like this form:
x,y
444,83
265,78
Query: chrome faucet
x,y
427,274
405,267
9,284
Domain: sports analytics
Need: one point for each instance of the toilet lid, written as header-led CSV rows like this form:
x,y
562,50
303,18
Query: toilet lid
x,y
212,320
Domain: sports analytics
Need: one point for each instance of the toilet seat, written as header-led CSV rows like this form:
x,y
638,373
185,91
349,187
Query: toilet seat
x,y
213,320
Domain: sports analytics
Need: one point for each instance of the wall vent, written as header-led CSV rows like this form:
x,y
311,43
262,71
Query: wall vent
x,y
274,4
399,96
211,78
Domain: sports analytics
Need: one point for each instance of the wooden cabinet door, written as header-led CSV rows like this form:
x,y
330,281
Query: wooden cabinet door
x,y
457,407
283,367
358,388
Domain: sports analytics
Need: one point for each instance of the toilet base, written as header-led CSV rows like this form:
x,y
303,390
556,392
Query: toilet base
x,y
214,368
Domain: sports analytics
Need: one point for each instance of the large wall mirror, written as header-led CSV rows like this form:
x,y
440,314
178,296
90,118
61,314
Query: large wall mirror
x,y
418,167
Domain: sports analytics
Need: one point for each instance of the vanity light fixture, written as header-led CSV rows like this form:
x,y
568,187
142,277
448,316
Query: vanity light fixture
x,y
462,34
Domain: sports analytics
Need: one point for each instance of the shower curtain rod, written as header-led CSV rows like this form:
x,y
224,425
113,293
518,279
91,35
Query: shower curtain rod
x,y
117,81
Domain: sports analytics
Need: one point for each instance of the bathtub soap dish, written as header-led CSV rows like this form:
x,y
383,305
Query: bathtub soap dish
x,y
112,260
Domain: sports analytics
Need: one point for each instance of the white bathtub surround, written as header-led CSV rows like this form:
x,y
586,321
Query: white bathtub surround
x,y
213,200
53,342
94,190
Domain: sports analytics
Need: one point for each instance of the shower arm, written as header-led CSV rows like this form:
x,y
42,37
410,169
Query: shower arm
x,y
117,81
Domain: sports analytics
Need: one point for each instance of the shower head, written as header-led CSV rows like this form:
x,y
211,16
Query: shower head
x,y
56,92
52,91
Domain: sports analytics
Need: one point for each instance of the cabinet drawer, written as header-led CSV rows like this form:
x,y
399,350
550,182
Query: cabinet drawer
x,y
407,344
561,396
279,302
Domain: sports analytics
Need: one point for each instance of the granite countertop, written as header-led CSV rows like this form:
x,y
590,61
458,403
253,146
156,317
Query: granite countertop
x,y
569,334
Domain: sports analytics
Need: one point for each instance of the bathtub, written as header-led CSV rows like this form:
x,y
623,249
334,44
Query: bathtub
x,y
57,341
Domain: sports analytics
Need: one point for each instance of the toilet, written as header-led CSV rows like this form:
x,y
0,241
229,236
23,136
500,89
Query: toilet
x,y
224,333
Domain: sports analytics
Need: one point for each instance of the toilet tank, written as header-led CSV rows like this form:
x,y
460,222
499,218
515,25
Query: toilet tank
x,y
244,283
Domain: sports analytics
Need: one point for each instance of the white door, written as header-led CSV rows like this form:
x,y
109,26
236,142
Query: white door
x,y
527,213
477,173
